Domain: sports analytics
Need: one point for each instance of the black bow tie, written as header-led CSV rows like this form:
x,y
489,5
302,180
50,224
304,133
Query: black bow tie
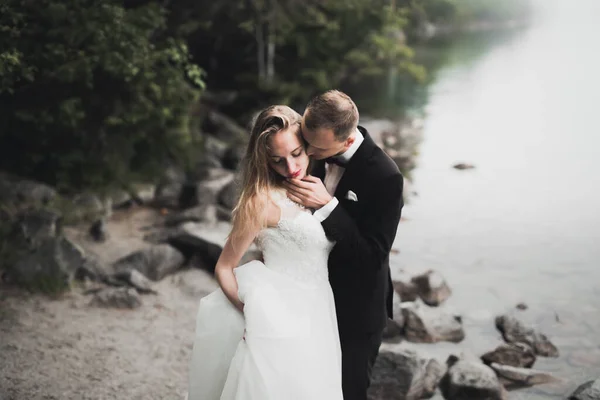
x,y
336,161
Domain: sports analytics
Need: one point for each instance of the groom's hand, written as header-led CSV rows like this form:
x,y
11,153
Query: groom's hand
x,y
310,192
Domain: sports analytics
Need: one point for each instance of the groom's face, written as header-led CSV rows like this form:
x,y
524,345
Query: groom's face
x,y
322,143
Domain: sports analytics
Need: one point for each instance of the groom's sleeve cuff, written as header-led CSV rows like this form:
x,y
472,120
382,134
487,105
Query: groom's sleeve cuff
x,y
322,213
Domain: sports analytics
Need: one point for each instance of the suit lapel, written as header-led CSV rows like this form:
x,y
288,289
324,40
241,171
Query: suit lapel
x,y
356,164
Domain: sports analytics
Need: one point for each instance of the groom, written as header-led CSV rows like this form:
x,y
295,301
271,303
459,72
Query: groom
x,y
356,190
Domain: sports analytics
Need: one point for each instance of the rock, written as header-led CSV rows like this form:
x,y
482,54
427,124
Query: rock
x,y
224,128
392,331
515,377
521,306
407,290
91,269
200,252
223,214
168,194
208,191
98,230
205,191
173,173
403,375
208,160
379,129
514,331
512,354
35,226
214,146
463,166
88,205
211,174
14,190
188,195
116,298
202,248
36,255
201,213
168,190
400,140
155,262
162,235
121,199
432,288
470,380
142,193
137,280
423,324
587,391
233,157
49,267
434,372
228,197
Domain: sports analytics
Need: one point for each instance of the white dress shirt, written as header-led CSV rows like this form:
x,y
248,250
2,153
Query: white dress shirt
x,y
333,175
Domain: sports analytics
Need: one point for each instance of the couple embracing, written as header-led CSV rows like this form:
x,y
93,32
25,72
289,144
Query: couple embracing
x,y
322,202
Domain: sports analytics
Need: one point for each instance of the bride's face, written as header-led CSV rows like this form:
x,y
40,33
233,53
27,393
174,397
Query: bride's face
x,y
287,155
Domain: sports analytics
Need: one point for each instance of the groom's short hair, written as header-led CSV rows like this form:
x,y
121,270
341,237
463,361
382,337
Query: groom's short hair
x,y
333,110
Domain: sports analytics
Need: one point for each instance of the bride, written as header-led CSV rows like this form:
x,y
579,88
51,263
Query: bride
x,y
270,331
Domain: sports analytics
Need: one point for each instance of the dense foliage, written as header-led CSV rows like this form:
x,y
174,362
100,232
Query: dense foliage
x,y
96,93
91,93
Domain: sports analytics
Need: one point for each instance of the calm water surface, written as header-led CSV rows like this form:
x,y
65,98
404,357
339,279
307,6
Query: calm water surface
x,y
524,225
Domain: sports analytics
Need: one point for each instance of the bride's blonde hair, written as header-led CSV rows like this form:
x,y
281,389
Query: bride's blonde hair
x,y
258,178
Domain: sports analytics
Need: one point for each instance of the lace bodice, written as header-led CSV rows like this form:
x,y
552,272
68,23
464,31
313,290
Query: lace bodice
x,y
298,246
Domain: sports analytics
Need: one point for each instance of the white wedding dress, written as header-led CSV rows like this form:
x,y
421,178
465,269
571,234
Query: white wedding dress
x,y
291,349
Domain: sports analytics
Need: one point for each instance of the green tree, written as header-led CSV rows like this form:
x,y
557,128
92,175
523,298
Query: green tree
x,y
91,93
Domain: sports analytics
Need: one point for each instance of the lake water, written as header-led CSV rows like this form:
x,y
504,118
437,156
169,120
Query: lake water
x,y
524,225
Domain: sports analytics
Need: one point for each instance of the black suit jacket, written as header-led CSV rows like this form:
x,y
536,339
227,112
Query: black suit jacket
x,y
364,232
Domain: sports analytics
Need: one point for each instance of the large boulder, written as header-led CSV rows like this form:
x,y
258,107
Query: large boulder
x,y
233,157
432,288
405,288
88,205
200,253
50,267
468,379
228,196
202,213
168,190
513,354
224,128
34,226
587,391
208,190
155,262
35,253
14,190
403,375
515,331
424,324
